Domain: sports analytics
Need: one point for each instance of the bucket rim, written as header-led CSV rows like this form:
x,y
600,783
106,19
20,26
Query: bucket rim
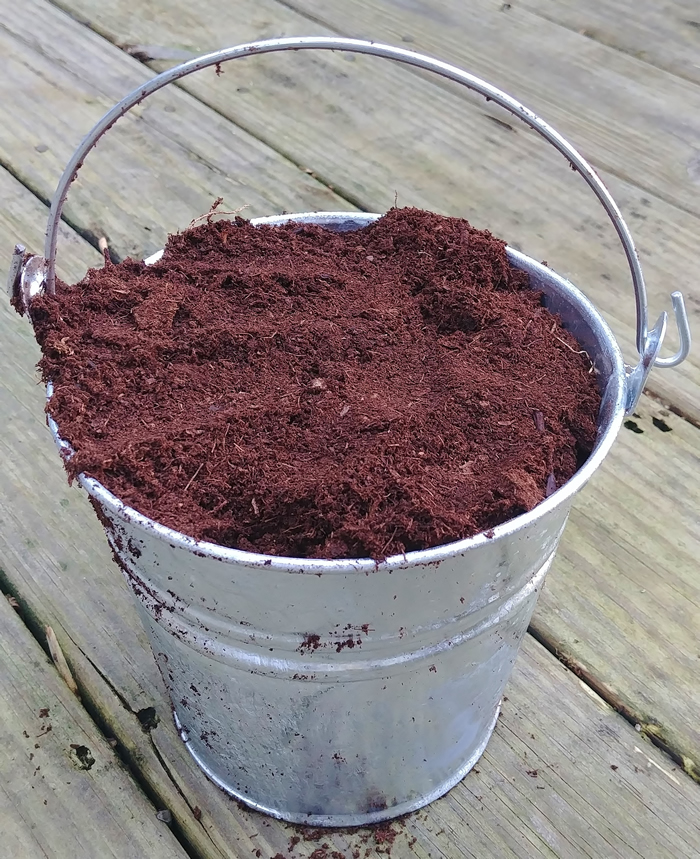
x,y
615,408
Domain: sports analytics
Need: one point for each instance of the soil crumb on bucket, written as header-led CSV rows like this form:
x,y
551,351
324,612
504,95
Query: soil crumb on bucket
x,y
295,391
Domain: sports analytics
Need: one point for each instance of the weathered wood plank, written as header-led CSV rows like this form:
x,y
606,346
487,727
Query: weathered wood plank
x,y
576,804
570,817
165,163
54,558
63,791
632,119
658,586
648,696
394,134
623,599
664,34
23,221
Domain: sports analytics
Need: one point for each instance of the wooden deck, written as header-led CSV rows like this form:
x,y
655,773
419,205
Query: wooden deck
x,y
604,701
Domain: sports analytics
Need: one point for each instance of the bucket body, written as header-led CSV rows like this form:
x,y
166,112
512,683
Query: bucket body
x,y
340,693
348,692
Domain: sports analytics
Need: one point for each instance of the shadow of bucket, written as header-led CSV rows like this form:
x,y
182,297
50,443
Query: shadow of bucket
x,y
346,692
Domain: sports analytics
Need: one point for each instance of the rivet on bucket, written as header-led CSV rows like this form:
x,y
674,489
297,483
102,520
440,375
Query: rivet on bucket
x,y
349,692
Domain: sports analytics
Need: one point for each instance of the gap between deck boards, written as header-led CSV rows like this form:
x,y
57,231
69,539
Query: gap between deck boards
x,y
664,207
345,194
608,43
132,764
90,237
595,34
35,628
441,82
572,665
648,729
674,409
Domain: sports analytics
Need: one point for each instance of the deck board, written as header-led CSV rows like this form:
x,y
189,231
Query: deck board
x,y
611,582
621,603
577,805
63,792
622,599
163,164
376,132
632,119
666,35
23,221
54,558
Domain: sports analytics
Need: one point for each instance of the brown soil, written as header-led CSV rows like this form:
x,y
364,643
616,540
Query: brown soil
x,y
294,391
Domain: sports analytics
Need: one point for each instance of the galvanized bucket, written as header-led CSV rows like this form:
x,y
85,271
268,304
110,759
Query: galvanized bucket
x,y
339,693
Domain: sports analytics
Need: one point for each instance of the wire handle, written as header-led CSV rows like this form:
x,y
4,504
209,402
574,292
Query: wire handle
x,y
647,345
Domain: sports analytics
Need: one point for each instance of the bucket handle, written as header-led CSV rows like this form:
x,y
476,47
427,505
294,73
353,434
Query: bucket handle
x,y
648,341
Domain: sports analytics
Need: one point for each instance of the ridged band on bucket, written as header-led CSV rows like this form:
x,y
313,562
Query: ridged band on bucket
x,y
350,691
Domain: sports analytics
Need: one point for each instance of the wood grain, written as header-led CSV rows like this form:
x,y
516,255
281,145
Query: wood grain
x,y
632,119
163,164
665,34
63,791
545,787
23,221
54,559
660,688
623,600
379,133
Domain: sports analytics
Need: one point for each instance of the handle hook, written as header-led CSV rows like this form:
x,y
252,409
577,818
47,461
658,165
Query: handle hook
x,y
683,325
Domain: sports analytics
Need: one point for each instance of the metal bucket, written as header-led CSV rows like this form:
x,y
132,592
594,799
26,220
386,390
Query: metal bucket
x,y
345,692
